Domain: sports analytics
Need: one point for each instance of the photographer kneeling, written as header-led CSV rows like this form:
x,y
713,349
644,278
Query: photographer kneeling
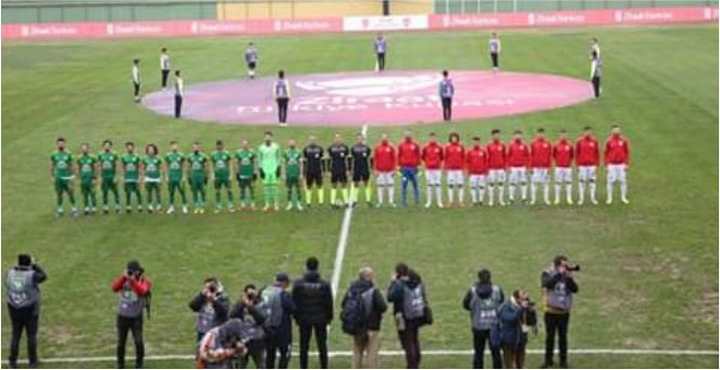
x,y
212,306
221,344
246,310
134,291
558,287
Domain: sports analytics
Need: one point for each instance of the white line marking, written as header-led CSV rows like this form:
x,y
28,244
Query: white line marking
x,y
342,242
650,352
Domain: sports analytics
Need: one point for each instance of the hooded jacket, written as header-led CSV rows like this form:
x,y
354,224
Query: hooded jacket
x,y
220,307
378,306
313,299
513,320
396,295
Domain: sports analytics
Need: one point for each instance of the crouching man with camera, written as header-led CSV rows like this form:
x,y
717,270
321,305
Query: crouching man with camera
x,y
246,310
558,286
134,291
212,306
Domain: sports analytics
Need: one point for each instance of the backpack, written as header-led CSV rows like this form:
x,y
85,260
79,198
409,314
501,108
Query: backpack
x,y
271,306
356,311
414,304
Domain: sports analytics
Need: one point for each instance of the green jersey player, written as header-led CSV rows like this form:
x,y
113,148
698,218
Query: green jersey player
x,y
293,169
198,177
175,168
245,171
131,177
269,163
221,172
87,165
151,167
61,173
108,168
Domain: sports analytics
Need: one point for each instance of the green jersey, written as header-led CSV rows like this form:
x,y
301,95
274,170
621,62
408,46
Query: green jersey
x,y
292,163
152,168
197,162
86,164
62,164
246,163
175,162
131,166
269,157
108,164
221,164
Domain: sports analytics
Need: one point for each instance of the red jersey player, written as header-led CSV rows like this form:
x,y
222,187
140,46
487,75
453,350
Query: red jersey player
x,y
617,160
385,164
496,162
540,161
454,165
563,155
477,166
432,156
409,160
587,158
518,159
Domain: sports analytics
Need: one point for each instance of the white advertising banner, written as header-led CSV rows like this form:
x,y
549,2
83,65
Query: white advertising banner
x,y
386,23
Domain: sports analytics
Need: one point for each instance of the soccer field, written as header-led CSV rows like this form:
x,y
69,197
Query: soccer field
x,y
649,279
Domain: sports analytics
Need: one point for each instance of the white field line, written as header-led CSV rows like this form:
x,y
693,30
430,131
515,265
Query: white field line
x,y
342,242
646,352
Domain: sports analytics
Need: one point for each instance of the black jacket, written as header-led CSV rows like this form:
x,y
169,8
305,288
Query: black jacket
x,y
483,291
283,335
396,295
221,305
240,311
313,300
379,306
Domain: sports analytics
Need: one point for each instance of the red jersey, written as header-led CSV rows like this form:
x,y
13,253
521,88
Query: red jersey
x,y
540,153
617,150
477,161
563,153
408,153
587,151
518,154
384,158
432,155
454,156
496,155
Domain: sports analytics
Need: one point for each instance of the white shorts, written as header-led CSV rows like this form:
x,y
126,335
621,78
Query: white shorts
x,y
477,181
587,173
563,175
385,178
496,176
540,175
455,177
433,177
616,172
517,174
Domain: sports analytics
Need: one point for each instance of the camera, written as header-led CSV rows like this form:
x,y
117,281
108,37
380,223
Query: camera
x,y
573,267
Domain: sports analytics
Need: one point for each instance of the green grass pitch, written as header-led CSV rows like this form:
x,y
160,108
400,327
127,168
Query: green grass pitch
x,y
650,269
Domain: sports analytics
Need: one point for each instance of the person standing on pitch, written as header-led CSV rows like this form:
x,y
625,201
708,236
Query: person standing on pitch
x,y
432,156
293,174
339,156
131,177
497,161
269,163
361,163
313,300
133,289
313,164
559,286
483,300
477,166
495,47
179,93
251,57
174,172
596,67
617,161
540,161
164,67
563,155
278,308
136,79
220,159
518,158
385,163
62,173
281,93
246,174
587,151
198,177
23,303
380,50
446,90
455,165
87,166
108,168
409,160
152,175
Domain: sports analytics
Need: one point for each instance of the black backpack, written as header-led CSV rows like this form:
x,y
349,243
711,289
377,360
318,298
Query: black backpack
x,y
356,311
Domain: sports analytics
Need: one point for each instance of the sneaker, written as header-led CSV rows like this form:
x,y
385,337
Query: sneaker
x,y
580,202
625,200
158,208
557,201
594,201
393,205
93,210
608,202
74,212
299,207
277,207
428,205
106,210
502,203
128,210
569,201
217,210
231,209
185,209
440,205
59,212
266,208
86,211
202,211
289,207
170,210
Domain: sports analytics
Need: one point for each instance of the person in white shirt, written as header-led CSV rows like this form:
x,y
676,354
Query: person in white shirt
x,y
495,47
281,93
179,93
136,79
164,67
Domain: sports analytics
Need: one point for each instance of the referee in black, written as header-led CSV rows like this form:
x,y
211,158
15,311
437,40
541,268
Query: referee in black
x,y
314,162
361,163
339,156
179,93
596,67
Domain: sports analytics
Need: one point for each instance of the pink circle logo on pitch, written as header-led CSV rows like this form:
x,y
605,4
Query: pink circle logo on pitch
x,y
375,99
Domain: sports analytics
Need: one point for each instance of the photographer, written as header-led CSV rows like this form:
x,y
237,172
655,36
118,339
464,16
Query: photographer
x,y
558,286
23,301
515,318
134,291
483,301
220,345
212,306
246,310
411,310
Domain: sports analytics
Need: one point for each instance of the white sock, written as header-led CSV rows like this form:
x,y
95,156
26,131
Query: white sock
x,y
581,191
532,192
451,194
557,191
461,194
609,191
380,193
429,191
501,193
438,194
523,190
473,194
491,195
512,192
623,189
546,192
391,194
568,192
481,194
592,190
